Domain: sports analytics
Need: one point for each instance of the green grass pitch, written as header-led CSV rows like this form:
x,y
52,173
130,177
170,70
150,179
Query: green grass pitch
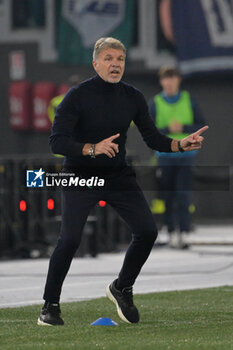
x,y
197,319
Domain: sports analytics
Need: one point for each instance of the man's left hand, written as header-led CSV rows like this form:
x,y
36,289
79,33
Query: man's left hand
x,y
193,141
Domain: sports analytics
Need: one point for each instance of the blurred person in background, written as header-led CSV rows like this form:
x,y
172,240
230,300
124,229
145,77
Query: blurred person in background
x,y
72,81
176,115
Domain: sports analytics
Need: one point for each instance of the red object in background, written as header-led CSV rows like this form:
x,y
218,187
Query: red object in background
x,y
62,89
102,203
43,92
20,105
22,205
50,204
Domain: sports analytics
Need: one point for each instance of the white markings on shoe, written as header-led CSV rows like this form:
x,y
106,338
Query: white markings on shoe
x,y
111,297
41,323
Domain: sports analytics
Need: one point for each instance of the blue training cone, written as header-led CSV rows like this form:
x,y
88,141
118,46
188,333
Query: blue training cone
x,y
104,321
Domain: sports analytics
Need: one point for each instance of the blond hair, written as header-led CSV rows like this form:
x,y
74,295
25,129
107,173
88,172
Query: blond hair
x,y
105,43
168,72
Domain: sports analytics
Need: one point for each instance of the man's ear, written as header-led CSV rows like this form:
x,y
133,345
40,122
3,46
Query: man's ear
x,y
94,65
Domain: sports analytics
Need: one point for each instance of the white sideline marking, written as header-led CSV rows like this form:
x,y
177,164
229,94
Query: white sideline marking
x,y
13,289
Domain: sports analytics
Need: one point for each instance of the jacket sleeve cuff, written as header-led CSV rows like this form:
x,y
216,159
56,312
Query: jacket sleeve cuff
x,y
78,148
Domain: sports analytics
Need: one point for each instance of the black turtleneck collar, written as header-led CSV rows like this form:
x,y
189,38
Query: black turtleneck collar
x,y
104,85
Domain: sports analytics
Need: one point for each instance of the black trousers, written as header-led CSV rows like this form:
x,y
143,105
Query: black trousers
x,y
125,196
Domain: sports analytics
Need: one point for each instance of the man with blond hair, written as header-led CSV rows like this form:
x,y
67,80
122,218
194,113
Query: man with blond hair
x,y
90,129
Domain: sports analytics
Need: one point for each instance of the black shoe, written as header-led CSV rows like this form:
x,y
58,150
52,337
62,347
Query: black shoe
x,y
126,309
50,315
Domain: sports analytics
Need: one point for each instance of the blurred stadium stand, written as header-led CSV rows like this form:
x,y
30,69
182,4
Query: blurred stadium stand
x,y
29,51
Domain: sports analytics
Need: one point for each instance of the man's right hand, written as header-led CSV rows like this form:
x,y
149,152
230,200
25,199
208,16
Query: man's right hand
x,y
107,146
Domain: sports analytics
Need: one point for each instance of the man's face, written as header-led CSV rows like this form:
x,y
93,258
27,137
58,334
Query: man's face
x,y
110,65
170,85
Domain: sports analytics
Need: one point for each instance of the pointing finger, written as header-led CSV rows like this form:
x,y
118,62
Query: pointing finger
x,y
113,137
200,131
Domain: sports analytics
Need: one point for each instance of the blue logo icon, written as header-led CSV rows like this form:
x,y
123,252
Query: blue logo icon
x,y
35,178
